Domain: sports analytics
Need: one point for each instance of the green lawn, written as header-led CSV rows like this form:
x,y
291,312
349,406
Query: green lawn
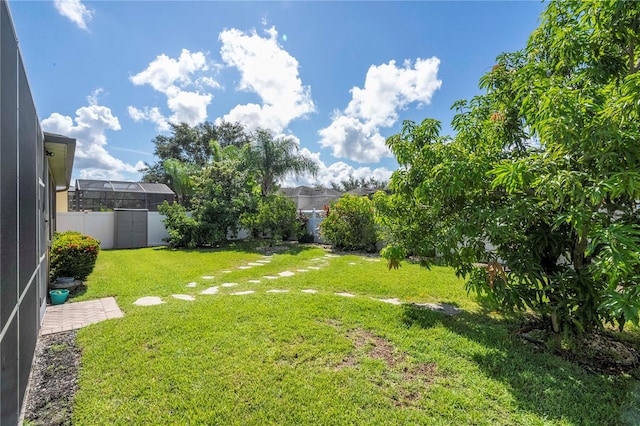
x,y
298,358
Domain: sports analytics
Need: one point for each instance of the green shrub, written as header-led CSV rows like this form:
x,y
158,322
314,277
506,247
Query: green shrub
x,y
182,228
276,216
350,224
73,255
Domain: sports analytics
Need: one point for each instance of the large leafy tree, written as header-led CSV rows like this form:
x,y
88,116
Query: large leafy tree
x,y
541,180
273,158
191,146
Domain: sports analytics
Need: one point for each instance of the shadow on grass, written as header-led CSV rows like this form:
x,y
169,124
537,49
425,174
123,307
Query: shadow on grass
x,y
247,247
540,382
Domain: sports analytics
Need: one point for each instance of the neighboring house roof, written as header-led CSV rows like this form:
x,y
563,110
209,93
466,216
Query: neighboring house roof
x,y
307,198
362,191
60,151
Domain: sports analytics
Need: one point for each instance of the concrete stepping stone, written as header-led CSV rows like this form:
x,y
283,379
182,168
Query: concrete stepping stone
x,y
315,268
192,284
242,293
393,301
227,271
255,264
331,256
286,274
443,308
271,277
208,277
302,270
369,259
210,290
352,263
345,294
183,297
254,281
309,290
277,290
263,261
317,259
245,267
148,301
229,284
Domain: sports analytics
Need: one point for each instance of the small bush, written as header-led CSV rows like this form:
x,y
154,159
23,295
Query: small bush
x,y
350,224
73,255
182,228
276,216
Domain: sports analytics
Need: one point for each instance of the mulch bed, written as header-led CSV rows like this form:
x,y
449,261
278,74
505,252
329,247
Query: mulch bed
x,y
54,380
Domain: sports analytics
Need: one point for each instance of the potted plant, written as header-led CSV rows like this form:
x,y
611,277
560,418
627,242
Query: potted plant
x,y
58,296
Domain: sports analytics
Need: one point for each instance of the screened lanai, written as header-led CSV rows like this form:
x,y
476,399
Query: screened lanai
x,y
106,195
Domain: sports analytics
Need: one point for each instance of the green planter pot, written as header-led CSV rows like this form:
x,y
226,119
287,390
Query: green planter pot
x,y
58,297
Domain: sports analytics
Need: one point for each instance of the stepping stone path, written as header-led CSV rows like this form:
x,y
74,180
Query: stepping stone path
x,y
226,272
183,297
242,293
148,301
320,262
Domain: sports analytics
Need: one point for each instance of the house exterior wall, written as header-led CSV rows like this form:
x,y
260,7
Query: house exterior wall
x,y
62,203
24,215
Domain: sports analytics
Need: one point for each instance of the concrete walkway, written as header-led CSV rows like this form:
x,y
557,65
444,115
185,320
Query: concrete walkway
x,y
71,316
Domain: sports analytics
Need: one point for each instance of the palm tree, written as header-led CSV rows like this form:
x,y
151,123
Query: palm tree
x,y
180,180
273,159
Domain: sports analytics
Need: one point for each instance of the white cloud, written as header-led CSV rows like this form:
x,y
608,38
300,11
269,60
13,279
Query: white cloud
x,y
336,172
75,11
355,132
93,97
150,114
176,79
269,71
92,160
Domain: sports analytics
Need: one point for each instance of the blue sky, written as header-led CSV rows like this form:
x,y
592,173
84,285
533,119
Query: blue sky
x,y
340,77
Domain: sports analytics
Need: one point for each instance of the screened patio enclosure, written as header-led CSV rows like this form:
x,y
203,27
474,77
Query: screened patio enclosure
x,y
107,195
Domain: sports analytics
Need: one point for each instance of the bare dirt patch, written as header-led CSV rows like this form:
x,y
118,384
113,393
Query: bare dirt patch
x,y
601,352
54,380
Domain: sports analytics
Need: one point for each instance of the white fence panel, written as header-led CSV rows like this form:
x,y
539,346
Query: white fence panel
x,y
315,219
156,231
99,225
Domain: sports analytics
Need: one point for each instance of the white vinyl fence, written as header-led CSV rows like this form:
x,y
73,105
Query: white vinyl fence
x,y
315,218
101,225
